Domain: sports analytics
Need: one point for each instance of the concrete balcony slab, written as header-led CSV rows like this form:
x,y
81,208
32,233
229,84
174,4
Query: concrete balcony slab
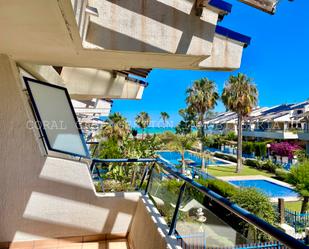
x,y
271,134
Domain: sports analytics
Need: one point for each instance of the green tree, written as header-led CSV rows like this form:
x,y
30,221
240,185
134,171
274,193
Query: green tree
x,y
258,204
181,143
299,177
240,95
116,127
187,122
164,116
143,121
201,98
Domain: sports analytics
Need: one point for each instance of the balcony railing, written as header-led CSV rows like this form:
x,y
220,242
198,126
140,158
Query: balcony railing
x,y
196,215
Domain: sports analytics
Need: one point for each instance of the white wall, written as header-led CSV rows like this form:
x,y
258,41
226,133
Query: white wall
x,y
43,197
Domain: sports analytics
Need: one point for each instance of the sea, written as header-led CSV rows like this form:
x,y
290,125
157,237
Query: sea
x,y
155,130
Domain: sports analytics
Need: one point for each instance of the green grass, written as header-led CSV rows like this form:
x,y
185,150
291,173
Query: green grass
x,y
293,205
230,171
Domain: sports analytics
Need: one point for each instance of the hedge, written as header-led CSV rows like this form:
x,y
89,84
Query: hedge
x,y
259,148
267,165
222,188
230,158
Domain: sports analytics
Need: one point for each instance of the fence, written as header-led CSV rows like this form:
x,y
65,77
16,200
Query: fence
x,y
199,241
266,245
297,220
173,212
194,241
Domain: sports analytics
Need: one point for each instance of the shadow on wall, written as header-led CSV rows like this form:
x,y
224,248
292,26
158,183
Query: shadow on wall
x,y
47,197
62,203
169,28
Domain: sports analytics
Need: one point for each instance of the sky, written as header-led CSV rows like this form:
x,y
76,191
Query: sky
x,y
277,60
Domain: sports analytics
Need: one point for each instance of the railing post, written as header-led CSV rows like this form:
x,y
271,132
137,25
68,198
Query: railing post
x,y
149,178
143,177
281,210
174,220
99,176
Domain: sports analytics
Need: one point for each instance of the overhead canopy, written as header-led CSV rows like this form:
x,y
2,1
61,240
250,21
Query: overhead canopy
x,y
268,6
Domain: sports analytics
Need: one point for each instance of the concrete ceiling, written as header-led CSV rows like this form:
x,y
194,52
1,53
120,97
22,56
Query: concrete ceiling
x,y
45,32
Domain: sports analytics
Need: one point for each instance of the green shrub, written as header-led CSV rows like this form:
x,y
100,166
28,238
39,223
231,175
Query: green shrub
x,y
258,204
231,136
248,147
230,158
282,174
253,163
270,166
267,165
222,188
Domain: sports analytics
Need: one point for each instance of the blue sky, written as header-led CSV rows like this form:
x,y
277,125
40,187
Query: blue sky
x,y
277,60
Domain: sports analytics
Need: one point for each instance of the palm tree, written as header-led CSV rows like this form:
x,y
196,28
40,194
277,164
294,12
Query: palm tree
x,y
181,143
299,176
240,95
143,121
164,116
201,98
116,126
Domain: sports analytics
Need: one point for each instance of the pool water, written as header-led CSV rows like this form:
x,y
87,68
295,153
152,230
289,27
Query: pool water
x,y
267,187
175,158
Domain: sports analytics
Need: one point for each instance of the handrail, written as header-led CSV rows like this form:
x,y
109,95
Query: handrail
x,y
286,239
124,160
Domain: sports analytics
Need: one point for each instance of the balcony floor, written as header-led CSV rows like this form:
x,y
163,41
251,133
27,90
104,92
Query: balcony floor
x,y
106,244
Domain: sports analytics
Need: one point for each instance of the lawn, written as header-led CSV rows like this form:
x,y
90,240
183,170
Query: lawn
x,y
293,205
230,171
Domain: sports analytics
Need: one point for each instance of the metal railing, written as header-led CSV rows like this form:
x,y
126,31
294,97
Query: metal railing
x,y
171,172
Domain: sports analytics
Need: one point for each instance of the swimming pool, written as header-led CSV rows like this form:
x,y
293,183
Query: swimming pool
x,y
175,158
269,188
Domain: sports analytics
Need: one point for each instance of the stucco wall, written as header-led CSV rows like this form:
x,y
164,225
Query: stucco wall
x,y
44,197
149,229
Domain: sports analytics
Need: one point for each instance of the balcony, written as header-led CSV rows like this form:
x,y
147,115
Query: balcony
x,y
268,6
88,83
271,133
52,190
218,131
118,35
304,135
195,215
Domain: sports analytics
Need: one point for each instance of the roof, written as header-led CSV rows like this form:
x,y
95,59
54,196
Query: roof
x,y
278,113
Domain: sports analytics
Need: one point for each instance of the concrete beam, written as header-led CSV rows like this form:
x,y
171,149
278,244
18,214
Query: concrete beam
x,y
87,83
226,55
125,34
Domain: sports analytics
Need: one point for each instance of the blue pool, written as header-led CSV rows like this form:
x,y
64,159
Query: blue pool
x,y
175,158
267,187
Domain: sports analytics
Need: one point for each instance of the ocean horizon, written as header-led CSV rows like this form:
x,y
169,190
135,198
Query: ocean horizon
x,y
155,130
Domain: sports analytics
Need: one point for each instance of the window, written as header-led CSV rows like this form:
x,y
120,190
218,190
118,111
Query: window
x,y
56,118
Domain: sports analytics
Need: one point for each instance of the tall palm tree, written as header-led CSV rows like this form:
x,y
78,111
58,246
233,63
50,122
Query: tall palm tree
x,y
201,98
143,121
164,116
181,143
240,95
116,126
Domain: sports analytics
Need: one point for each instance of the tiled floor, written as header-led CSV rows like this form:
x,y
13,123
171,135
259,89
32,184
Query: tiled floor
x,y
107,244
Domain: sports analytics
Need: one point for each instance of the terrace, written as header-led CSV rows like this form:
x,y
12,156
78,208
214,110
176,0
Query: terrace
x,y
51,189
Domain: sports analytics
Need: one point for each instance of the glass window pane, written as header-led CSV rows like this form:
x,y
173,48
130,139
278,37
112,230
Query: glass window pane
x,y
164,191
56,118
197,226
